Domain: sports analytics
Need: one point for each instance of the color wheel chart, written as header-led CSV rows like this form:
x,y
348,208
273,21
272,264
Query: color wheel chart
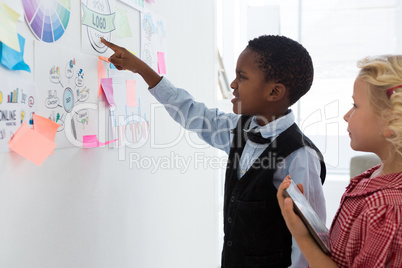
x,y
48,19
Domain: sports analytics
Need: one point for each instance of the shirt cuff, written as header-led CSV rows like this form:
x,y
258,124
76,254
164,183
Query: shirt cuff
x,y
163,91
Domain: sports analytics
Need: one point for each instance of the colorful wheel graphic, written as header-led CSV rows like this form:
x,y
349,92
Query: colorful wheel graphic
x,y
48,19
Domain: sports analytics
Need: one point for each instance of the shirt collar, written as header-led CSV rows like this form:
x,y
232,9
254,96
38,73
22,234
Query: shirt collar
x,y
274,128
362,184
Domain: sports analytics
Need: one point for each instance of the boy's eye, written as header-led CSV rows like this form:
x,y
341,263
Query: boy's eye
x,y
354,105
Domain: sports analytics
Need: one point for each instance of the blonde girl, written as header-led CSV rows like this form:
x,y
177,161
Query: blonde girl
x,y
367,229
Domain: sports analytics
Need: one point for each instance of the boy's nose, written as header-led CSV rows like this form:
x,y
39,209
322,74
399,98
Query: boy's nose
x,y
233,85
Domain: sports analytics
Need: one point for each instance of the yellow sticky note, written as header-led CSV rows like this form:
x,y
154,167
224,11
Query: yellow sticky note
x,y
8,27
31,144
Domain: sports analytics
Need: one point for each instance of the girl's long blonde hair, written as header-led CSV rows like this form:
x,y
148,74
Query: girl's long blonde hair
x,y
382,73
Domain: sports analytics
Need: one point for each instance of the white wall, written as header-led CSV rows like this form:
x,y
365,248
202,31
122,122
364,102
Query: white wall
x,y
88,208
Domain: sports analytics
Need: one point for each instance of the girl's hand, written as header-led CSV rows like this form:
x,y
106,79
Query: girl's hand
x,y
293,221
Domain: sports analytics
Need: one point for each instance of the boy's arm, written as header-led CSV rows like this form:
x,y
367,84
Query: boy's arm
x,y
125,60
314,255
211,125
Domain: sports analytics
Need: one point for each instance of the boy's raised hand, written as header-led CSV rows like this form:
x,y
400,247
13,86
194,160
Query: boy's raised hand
x,y
122,58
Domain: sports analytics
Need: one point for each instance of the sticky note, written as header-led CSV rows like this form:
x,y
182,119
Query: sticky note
x,y
104,58
31,144
123,29
107,87
101,74
161,63
8,27
91,141
46,127
13,59
131,96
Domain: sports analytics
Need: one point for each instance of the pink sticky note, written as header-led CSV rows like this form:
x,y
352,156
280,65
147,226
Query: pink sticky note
x,y
101,74
161,63
131,96
91,141
31,144
45,127
107,86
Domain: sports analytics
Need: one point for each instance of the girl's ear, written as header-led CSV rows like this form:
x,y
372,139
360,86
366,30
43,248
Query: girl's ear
x,y
276,92
388,133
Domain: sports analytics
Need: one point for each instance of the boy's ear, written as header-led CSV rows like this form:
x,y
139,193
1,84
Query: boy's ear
x,y
276,92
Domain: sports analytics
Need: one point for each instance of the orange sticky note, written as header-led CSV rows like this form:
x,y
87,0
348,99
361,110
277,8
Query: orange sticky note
x,y
161,63
101,74
31,145
131,96
45,127
104,58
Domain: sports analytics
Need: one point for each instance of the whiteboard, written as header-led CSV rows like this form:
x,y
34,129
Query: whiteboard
x,y
110,207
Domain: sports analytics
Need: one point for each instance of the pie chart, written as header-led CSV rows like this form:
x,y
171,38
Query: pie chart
x,y
48,19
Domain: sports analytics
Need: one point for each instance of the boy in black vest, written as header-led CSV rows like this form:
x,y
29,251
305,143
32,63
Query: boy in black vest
x,y
262,140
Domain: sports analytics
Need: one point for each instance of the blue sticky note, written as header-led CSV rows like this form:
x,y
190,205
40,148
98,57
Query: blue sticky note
x,y
112,66
13,59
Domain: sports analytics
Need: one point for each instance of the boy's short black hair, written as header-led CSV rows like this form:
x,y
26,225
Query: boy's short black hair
x,y
285,61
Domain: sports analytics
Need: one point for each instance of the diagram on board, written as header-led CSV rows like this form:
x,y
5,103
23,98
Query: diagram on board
x,y
65,95
49,19
98,20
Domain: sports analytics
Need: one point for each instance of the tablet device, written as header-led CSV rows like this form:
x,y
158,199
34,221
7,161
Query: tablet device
x,y
314,224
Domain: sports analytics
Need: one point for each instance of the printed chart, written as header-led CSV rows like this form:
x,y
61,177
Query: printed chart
x,y
129,119
48,19
17,104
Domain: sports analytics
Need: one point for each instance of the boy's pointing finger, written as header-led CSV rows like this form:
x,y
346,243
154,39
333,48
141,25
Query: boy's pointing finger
x,y
110,45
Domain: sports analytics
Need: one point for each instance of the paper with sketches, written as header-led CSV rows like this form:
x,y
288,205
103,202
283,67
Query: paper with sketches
x,y
97,20
68,95
153,41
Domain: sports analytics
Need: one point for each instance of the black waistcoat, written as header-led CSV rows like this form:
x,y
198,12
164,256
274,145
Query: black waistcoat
x,y
255,232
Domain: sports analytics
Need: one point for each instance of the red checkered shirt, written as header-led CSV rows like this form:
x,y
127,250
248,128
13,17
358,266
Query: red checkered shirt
x,y
367,229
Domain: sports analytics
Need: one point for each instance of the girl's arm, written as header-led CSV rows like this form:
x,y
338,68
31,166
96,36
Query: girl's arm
x,y
314,255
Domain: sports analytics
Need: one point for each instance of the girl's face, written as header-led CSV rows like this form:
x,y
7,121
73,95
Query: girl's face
x,y
365,128
249,86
